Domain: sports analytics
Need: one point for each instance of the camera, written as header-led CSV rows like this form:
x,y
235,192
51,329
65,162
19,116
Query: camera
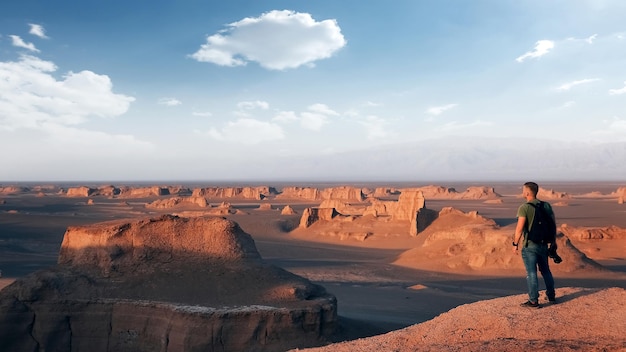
x,y
552,254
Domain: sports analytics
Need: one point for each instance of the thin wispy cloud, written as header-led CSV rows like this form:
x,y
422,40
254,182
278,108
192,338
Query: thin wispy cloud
x,y
250,105
438,110
568,104
202,114
569,85
169,102
618,91
542,47
591,39
314,118
276,40
248,131
20,43
37,30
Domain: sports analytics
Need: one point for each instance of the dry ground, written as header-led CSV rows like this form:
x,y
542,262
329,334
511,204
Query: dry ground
x,y
374,296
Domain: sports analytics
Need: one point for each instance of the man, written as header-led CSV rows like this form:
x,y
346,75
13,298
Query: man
x,y
534,255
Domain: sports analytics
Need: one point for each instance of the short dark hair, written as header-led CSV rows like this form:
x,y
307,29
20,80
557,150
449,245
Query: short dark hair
x,y
533,187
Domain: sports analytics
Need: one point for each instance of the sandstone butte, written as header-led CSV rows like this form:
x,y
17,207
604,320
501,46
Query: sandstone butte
x,y
163,284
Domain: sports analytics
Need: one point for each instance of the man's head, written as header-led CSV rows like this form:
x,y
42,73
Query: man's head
x,y
531,189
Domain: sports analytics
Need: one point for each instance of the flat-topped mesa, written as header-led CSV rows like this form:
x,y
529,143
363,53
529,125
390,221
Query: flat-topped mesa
x,y
409,207
551,194
168,283
256,193
125,246
474,192
13,189
82,191
345,193
178,201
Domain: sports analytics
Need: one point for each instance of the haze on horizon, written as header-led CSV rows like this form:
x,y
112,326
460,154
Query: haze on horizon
x,y
324,90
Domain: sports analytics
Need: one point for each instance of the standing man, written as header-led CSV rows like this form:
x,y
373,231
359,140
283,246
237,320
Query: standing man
x,y
534,255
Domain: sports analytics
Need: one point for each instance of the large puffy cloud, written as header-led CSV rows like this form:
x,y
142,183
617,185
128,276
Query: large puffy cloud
x,y
277,40
31,96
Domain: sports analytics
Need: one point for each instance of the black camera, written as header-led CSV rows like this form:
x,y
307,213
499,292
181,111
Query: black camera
x,y
552,254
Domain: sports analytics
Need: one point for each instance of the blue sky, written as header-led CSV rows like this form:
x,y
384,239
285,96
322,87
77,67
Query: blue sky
x,y
261,90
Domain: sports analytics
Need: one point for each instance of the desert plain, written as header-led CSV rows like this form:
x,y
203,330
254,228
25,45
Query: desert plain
x,y
385,277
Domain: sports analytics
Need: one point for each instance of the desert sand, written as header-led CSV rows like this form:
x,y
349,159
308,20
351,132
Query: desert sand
x,y
387,280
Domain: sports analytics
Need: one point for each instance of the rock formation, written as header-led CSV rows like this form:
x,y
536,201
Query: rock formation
x,y
345,193
256,193
467,242
143,192
474,192
621,195
13,189
177,201
265,206
313,215
82,191
550,194
287,210
500,324
594,233
406,209
168,284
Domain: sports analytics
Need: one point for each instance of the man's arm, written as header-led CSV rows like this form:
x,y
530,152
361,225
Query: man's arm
x,y
521,221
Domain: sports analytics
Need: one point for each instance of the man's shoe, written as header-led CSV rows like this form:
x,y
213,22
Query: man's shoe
x,y
530,304
552,300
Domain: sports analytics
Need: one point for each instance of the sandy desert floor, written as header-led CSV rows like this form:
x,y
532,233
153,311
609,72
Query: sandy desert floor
x,y
374,296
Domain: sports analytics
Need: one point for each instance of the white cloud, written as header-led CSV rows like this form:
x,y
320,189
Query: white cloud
x,y
277,40
568,104
313,121
250,105
375,127
30,96
590,39
202,114
618,91
316,116
170,102
248,131
37,30
285,116
569,85
438,110
542,47
18,42
323,109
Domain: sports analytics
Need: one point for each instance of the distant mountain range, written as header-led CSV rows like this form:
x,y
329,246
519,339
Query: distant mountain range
x,y
479,159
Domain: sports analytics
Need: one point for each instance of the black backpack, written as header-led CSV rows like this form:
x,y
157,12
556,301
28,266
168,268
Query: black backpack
x,y
543,228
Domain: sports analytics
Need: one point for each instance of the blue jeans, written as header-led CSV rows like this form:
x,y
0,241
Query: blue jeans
x,y
536,256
